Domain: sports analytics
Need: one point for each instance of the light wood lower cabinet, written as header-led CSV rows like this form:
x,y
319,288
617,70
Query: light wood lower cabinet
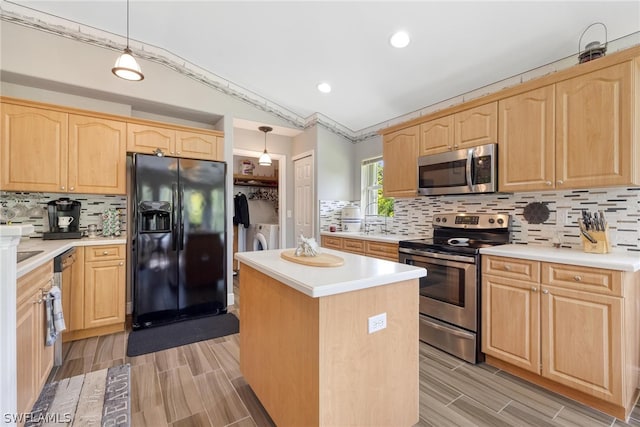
x,y
34,358
96,304
382,250
571,329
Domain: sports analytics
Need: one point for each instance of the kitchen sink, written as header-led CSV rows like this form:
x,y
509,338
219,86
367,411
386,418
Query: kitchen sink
x,y
22,255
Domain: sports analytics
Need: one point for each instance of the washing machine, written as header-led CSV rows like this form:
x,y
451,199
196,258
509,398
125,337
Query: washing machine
x,y
265,237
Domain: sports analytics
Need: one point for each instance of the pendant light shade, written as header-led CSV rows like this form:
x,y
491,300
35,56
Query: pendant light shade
x,y
265,158
126,66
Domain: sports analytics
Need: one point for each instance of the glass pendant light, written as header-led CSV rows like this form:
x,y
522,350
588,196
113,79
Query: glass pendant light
x,y
265,158
126,66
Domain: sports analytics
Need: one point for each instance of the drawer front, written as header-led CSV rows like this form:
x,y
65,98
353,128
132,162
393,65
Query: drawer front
x,y
588,279
352,245
104,253
332,242
382,250
515,268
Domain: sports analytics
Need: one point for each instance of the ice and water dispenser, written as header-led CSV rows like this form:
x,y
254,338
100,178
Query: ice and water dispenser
x,y
154,216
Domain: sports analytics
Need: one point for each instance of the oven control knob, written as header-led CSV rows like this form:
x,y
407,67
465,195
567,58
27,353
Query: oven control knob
x,y
500,221
438,219
491,220
444,219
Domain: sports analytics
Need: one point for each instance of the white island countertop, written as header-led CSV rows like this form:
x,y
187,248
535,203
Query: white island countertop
x,y
53,248
622,261
358,272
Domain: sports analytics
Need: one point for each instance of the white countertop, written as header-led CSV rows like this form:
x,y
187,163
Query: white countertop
x,y
622,261
388,238
53,248
358,272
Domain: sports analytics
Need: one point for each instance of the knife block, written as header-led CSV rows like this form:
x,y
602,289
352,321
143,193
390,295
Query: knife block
x,y
602,244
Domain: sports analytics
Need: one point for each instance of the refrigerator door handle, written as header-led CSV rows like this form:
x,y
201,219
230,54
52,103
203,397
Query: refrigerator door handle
x,y
182,213
174,216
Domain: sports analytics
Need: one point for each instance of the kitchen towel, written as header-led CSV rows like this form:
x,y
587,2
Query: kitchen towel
x,y
55,319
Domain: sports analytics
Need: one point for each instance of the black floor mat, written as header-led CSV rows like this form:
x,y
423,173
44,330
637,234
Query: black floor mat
x,y
158,338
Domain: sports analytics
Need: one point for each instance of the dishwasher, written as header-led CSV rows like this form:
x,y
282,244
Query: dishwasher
x,y
61,278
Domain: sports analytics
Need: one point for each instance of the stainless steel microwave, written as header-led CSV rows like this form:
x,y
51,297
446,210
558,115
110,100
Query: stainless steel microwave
x,y
472,170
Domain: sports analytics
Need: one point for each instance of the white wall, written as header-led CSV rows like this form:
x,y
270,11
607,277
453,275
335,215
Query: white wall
x,y
364,150
335,165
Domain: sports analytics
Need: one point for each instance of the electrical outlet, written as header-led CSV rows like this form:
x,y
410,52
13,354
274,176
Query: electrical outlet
x,y
377,322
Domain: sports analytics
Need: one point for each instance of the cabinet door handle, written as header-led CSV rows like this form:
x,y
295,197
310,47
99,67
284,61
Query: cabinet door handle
x,y
507,267
121,263
560,182
62,187
577,278
547,183
534,289
105,252
544,291
72,188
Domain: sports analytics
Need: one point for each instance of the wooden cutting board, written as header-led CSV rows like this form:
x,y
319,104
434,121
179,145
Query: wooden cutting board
x,y
321,260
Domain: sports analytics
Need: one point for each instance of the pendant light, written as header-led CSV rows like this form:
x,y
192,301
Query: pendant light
x,y
265,159
126,66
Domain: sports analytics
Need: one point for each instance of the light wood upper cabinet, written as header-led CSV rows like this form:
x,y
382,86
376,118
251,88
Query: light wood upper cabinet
x,y
526,141
97,155
197,145
594,129
53,151
33,149
476,126
400,153
146,139
436,136
177,143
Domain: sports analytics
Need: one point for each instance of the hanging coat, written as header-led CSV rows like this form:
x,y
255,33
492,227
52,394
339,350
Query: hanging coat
x,y
240,210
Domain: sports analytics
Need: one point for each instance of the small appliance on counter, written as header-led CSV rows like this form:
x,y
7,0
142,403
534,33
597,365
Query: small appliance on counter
x,y
64,219
351,218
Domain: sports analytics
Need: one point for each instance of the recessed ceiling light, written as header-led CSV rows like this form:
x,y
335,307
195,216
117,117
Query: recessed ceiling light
x,y
399,39
324,87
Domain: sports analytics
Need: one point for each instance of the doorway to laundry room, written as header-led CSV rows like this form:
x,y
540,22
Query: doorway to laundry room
x,y
258,197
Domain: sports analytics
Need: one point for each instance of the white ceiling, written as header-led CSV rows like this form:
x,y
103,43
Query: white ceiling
x,y
281,50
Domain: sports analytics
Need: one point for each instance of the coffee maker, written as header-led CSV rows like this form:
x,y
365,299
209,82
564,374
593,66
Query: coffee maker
x,y
64,219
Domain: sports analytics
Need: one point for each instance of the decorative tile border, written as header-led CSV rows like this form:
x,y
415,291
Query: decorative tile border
x,y
91,208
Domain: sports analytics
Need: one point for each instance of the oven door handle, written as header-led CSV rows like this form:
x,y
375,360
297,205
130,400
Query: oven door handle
x,y
449,330
446,257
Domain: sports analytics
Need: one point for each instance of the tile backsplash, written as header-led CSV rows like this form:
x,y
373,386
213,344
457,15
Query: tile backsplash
x,y
90,211
620,205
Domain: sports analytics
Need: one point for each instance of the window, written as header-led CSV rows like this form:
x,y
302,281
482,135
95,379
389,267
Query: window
x,y
373,202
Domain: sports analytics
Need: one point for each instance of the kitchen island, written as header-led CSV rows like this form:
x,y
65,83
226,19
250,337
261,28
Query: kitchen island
x,y
306,350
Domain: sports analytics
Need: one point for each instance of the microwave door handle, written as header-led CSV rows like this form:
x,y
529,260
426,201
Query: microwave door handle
x,y
469,168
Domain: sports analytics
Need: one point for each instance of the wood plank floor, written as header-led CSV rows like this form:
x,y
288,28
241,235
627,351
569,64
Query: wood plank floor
x,y
200,385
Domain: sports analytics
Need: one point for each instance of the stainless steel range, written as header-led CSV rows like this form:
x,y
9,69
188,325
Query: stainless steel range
x,y
450,293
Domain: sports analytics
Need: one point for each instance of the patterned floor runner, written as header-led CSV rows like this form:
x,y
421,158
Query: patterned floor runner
x,y
99,398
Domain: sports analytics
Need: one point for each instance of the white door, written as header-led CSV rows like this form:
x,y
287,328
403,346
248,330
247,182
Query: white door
x,y
304,203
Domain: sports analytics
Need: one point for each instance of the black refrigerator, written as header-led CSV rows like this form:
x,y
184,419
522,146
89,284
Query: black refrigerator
x,y
178,239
